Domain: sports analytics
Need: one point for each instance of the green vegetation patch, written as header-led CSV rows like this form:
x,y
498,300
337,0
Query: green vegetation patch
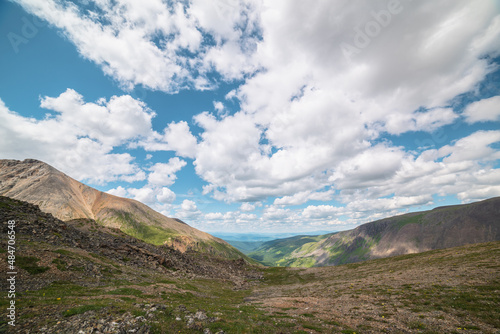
x,y
29,263
150,234
60,264
414,219
219,249
279,252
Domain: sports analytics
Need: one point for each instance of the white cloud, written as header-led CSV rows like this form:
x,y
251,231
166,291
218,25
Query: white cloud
x,y
388,204
157,197
214,216
371,167
303,197
158,45
420,121
475,147
110,122
188,210
163,174
247,207
118,191
79,138
146,194
310,119
165,196
483,110
274,213
176,137
321,211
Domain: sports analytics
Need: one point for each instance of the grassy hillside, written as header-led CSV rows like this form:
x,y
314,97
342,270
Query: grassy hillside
x,y
245,247
278,252
439,228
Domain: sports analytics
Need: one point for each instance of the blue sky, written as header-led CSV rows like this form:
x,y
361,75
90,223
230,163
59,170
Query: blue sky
x,y
258,116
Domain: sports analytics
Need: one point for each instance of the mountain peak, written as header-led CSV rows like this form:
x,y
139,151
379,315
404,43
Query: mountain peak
x,y
65,198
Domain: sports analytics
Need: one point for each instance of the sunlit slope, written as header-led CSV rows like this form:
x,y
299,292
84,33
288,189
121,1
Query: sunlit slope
x,y
65,198
417,232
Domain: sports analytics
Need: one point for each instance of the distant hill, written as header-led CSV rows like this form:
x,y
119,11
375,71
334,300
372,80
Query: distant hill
x,y
268,236
249,242
56,193
443,227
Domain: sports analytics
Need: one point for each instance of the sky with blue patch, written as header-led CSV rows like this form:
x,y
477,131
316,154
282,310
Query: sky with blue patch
x,y
258,116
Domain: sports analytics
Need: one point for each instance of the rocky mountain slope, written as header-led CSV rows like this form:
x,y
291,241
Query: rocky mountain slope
x,y
417,232
54,192
80,256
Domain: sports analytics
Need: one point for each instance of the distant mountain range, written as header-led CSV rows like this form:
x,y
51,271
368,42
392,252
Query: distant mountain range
x,y
443,227
56,193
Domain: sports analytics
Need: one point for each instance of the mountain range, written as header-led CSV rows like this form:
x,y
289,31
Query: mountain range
x,y
442,227
65,198
56,193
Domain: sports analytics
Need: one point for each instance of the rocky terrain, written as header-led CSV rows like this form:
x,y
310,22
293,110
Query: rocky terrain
x,y
54,192
416,232
81,277
82,256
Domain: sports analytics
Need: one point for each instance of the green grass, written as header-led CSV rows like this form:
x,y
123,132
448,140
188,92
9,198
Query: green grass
x,y
278,252
245,247
150,234
412,219
60,264
29,263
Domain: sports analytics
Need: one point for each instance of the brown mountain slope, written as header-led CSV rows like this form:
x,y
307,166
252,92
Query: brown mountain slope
x,y
443,227
54,192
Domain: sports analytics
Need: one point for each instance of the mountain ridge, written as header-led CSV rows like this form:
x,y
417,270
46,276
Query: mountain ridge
x,y
441,227
56,193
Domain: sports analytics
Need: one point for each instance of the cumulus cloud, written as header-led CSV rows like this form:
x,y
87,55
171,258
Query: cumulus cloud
x,y
155,192
158,198
321,211
110,122
247,207
312,117
305,196
188,210
314,123
483,110
78,137
175,137
476,147
118,191
464,167
274,213
163,174
161,46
